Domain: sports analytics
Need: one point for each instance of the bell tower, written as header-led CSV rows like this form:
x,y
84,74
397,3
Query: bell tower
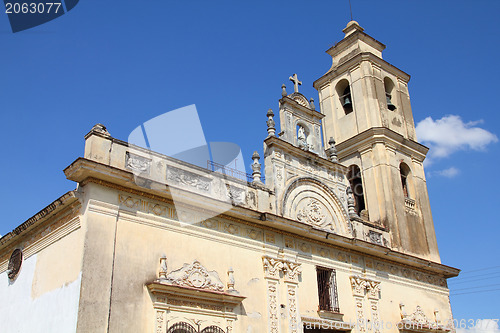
x,y
367,111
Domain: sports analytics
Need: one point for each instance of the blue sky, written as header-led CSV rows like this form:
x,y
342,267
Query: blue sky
x,y
122,63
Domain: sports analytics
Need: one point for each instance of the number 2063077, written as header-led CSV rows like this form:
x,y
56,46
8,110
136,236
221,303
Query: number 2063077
x,y
32,8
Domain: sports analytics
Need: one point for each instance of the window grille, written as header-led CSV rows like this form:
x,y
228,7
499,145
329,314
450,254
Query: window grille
x,y
327,290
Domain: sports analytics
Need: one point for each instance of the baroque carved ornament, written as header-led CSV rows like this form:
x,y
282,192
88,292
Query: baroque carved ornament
x,y
182,177
193,275
312,213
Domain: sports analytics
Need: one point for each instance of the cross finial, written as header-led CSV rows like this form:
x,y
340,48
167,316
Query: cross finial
x,y
296,82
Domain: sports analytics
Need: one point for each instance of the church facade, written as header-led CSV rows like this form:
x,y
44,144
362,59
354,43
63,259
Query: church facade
x,y
333,232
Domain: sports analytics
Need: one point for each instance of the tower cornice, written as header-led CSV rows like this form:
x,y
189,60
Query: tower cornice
x,y
365,140
347,65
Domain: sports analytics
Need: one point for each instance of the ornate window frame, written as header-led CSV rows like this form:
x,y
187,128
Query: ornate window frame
x,y
176,297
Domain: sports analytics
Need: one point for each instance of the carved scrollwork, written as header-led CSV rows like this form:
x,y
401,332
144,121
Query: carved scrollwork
x,y
292,271
138,164
358,285
312,213
182,177
194,275
272,267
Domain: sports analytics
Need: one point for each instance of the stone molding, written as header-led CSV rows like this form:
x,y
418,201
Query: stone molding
x,y
291,271
273,266
417,321
362,286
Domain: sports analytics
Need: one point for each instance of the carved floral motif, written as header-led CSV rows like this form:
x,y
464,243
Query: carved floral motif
x,y
235,194
418,317
358,285
272,293
313,213
137,164
292,271
195,276
182,177
292,308
160,319
146,206
272,267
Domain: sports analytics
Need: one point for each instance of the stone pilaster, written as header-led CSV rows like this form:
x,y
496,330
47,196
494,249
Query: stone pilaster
x,y
291,271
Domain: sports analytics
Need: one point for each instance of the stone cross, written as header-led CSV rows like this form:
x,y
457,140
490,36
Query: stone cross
x,y
296,82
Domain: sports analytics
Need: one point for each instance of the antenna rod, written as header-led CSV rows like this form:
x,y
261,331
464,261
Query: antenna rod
x,y
350,8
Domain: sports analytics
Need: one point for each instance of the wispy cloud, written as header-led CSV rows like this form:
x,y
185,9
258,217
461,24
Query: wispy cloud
x,y
451,172
450,134
482,326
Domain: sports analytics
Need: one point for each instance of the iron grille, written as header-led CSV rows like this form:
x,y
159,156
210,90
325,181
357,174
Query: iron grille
x,y
183,327
212,329
15,262
228,171
327,290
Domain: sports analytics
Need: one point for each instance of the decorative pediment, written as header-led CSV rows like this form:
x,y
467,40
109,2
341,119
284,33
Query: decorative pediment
x,y
417,321
300,99
195,275
192,290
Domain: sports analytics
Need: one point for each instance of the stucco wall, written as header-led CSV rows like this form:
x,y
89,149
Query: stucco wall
x,y
142,238
44,297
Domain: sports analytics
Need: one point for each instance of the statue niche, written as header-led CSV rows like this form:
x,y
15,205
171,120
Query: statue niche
x,y
302,137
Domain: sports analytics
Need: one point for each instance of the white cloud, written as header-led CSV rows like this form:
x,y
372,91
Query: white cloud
x,y
449,134
481,326
451,172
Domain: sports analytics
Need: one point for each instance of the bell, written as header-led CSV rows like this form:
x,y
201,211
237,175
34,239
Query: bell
x,y
347,102
390,106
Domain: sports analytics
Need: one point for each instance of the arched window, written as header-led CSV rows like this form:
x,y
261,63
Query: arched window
x,y
182,328
344,92
212,329
354,176
389,89
404,171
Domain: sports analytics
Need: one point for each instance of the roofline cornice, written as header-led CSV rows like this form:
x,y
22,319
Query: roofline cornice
x,y
344,43
45,214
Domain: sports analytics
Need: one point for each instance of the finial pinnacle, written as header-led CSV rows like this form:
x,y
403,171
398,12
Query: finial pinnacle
x,y
311,104
270,123
283,90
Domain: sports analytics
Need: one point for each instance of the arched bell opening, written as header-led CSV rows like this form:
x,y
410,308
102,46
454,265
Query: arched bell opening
x,y
389,89
344,92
